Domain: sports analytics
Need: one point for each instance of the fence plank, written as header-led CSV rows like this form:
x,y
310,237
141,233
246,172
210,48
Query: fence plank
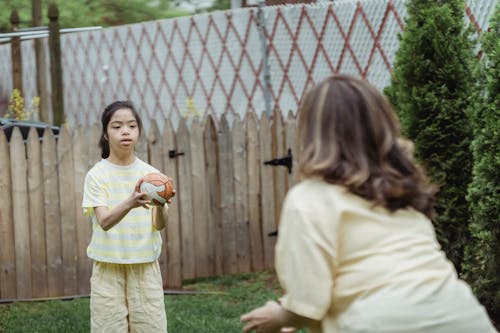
x,y
83,226
8,285
93,142
172,235
156,160
213,196
20,205
185,203
155,150
292,143
229,262
37,218
55,281
67,201
281,172
240,194
254,216
199,199
141,149
267,192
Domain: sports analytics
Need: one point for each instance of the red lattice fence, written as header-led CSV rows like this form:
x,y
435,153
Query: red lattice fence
x,y
213,64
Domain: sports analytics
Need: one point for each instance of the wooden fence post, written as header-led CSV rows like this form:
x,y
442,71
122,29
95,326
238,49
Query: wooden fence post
x,y
173,233
254,191
17,61
213,188
36,216
240,185
183,198
41,66
55,274
20,209
56,66
8,284
267,196
226,170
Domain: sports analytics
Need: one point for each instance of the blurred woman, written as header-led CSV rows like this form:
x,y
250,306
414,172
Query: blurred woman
x,y
356,249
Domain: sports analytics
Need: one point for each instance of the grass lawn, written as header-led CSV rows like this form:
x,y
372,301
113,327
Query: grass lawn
x,y
216,309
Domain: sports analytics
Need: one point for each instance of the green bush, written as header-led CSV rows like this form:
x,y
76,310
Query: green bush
x,y
482,256
431,89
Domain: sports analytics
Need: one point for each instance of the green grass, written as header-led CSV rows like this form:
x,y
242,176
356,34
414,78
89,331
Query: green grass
x,y
215,309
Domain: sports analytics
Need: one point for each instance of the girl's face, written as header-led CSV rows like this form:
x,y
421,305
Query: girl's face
x,y
122,132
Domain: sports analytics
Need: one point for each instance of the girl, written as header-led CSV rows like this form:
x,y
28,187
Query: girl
x,y
356,250
126,283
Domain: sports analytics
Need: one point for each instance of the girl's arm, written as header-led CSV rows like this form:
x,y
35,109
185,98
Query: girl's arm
x,y
273,318
160,216
108,218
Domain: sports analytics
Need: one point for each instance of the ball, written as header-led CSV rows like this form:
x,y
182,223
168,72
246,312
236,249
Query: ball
x,y
158,187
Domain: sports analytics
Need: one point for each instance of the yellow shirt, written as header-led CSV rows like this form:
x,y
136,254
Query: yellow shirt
x,y
134,239
359,268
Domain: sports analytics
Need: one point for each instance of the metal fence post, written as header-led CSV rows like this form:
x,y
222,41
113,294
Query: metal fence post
x,y
261,21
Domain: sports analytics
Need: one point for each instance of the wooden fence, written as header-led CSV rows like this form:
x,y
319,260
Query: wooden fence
x,y
227,201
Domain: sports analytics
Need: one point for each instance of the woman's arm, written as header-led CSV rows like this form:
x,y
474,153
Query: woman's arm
x,y
273,318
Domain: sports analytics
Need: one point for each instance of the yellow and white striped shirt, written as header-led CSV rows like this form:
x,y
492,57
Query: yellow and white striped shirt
x,y
134,239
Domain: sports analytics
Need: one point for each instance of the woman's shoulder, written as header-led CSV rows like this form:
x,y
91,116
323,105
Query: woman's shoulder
x,y
316,194
316,187
313,193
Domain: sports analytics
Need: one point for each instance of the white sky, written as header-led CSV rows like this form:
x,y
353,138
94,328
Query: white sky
x,y
193,5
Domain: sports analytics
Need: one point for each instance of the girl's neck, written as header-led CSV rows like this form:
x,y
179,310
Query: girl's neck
x,y
121,159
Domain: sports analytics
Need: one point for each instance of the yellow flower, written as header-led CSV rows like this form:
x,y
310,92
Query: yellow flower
x,y
17,110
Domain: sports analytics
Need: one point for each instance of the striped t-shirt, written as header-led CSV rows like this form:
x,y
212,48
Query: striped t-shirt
x,y
133,239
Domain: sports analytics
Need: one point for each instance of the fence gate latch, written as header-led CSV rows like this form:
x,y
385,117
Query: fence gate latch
x,y
172,153
285,161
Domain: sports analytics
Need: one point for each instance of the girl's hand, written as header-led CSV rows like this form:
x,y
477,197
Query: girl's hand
x,y
269,318
138,184
137,198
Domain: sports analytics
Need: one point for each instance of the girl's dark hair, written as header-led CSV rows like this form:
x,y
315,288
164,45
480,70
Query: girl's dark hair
x,y
349,135
105,119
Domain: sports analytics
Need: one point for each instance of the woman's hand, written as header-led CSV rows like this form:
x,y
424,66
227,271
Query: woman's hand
x,y
270,318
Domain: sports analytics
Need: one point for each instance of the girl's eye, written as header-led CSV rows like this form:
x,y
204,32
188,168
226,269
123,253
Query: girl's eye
x,y
133,126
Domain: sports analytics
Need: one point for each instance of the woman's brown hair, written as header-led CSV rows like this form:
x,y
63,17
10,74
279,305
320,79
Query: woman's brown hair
x,y
349,135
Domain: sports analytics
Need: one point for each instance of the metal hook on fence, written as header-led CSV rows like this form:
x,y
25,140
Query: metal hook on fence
x,y
172,153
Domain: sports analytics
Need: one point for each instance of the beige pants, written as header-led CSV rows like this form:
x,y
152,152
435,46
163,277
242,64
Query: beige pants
x,y
127,298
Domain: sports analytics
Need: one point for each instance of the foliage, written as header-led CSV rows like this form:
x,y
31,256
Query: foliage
x,y
197,4
221,5
431,89
17,110
222,300
91,12
482,266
